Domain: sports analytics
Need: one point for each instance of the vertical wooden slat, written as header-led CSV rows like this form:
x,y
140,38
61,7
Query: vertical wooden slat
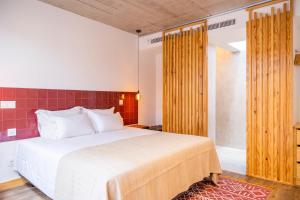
x,y
189,83
277,95
272,92
259,96
283,74
254,86
166,94
265,67
164,121
175,86
165,78
200,90
249,100
193,83
184,110
197,82
186,88
172,84
205,80
270,107
180,84
290,70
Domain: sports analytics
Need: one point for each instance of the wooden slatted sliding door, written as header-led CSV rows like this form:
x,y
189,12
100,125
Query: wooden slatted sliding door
x,y
269,95
185,81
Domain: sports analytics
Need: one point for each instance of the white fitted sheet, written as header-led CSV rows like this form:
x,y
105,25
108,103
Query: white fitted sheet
x,y
37,159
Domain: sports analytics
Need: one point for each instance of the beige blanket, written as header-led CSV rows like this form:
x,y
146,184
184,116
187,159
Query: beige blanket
x,y
157,166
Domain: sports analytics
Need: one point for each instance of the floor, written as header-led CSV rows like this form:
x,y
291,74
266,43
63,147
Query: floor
x,y
232,159
280,191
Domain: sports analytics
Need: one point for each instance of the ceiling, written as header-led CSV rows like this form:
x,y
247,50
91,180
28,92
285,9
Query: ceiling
x,y
149,15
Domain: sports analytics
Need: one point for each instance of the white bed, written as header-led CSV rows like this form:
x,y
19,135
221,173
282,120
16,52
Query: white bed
x,y
37,159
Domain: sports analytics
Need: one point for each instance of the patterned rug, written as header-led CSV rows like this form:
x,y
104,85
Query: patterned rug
x,y
227,189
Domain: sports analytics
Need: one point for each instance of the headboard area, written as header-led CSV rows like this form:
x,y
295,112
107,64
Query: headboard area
x,y
27,101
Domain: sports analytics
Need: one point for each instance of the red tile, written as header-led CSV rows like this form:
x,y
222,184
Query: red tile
x,y
42,103
22,123
91,103
52,94
21,103
9,114
21,113
78,95
32,103
78,102
30,114
31,124
9,124
8,93
28,100
70,103
42,93
84,94
61,94
21,93
34,132
52,104
99,95
32,93
91,95
23,134
84,103
61,103
70,94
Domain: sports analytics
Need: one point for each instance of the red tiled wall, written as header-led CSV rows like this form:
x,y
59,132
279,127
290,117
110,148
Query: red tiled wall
x,y
29,100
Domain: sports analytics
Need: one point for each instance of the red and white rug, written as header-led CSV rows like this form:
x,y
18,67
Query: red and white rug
x,y
227,189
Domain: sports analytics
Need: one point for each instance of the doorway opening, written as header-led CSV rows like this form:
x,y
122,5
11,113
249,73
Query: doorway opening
x,y
227,57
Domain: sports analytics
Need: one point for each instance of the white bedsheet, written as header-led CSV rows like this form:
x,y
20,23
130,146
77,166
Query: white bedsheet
x,y
37,159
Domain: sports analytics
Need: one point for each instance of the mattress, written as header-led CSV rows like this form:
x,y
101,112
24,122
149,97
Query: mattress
x,y
37,159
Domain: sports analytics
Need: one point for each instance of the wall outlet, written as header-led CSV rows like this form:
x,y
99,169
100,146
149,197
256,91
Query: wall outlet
x,y
11,132
8,104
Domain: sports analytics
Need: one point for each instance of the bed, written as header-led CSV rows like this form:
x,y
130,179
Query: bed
x,y
130,163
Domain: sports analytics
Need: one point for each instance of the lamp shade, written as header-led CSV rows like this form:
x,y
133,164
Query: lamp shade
x,y
138,96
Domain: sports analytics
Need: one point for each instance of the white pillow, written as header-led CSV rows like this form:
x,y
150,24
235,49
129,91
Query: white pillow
x,y
46,124
100,111
106,122
75,125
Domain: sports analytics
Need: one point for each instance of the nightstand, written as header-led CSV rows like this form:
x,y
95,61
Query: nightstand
x,y
138,126
156,128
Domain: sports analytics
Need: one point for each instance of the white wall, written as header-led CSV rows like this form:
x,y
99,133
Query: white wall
x,y
42,46
40,42
150,62
212,92
159,88
231,99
